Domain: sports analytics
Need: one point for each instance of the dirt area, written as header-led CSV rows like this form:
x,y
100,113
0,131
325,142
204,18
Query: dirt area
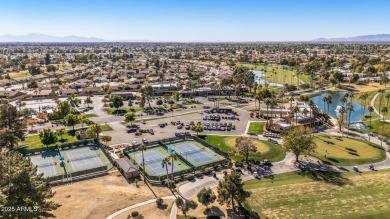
x,y
215,210
151,211
100,197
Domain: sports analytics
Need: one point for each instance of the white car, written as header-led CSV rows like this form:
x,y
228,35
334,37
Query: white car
x,y
135,143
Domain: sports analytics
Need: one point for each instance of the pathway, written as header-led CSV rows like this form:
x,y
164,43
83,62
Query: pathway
x,y
112,216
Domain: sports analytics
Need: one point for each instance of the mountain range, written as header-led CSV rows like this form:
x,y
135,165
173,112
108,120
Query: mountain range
x,y
33,37
47,38
363,38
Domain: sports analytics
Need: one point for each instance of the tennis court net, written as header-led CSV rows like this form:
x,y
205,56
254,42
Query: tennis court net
x,y
191,152
84,157
46,165
152,161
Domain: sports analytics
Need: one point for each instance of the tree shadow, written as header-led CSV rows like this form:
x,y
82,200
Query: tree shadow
x,y
214,211
63,140
163,206
334,178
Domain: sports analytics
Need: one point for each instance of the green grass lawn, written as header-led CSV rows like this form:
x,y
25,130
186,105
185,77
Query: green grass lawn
x,y
105,128
256,127
34,142
90,115
19,74
267,150
281,77
347,151
321,195
385,102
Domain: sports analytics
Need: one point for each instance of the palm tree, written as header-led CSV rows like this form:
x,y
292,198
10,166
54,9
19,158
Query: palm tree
x,y
343,99
273,103
291,99
164,163
341,118
268,103
294,111
324,100
363,97
305,112
380,91
173,157
370,109
349,110
351,95
142,148
328,101
312,105
384,111
282,95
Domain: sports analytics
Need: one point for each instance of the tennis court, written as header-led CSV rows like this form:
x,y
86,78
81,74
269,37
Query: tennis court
x,y
153,162
193,153
83,158
45,165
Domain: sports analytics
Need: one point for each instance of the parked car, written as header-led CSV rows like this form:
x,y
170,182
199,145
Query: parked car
x,y
179,126
144,141
135,143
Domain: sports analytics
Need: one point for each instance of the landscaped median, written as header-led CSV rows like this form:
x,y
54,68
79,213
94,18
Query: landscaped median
x,y
265,150
343,151
321,195
256,127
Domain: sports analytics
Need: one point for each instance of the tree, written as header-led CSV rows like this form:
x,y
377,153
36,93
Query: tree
x,y
88,101
350,109
298,140
130,117
176,96
185,205
173,157
370,109
197,129
130,103
164,163
22,186
147,92
142,148
63,109
12,127
312,105
341,117
384,112
380,92
19,103
117,102
159,102
47,59
294,112
60,132
73,101
245,147
47,137
328,101
82,119
231,189
142,102
94,131
105,138
71,120
206,196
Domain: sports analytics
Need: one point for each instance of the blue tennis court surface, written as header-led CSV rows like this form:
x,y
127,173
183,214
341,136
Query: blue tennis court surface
x,y
44,165
153,160
194,154
83,159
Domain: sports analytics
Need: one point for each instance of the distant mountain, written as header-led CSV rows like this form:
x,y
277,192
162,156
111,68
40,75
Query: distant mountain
x,y
47,38
363,38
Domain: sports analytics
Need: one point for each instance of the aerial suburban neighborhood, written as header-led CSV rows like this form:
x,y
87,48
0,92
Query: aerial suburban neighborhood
x,y
183,128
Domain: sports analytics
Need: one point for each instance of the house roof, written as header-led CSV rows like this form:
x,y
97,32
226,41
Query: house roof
x,y
126,165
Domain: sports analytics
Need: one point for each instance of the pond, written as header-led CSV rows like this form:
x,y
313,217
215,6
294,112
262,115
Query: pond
x,y
336,103
259,75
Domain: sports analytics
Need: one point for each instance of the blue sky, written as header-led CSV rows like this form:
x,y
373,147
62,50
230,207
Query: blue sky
x,y
196,20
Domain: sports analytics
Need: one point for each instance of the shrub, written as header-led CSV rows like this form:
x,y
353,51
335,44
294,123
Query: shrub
x,y
190,177
159,202
134,213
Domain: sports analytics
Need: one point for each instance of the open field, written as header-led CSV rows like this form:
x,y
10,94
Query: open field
x,y
256,127
373,86
322,195
347,151
267,150
100,197
281,77
19,74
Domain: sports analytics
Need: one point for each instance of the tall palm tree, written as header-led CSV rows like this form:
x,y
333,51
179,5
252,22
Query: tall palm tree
x,y
362,99
344,100
324,101
312,105
173,157
282,95
295,111
291,99
384,111
370,109
164,163
349,110
380,91
268,103
341,117
273,104
142,148
351,95
328,101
